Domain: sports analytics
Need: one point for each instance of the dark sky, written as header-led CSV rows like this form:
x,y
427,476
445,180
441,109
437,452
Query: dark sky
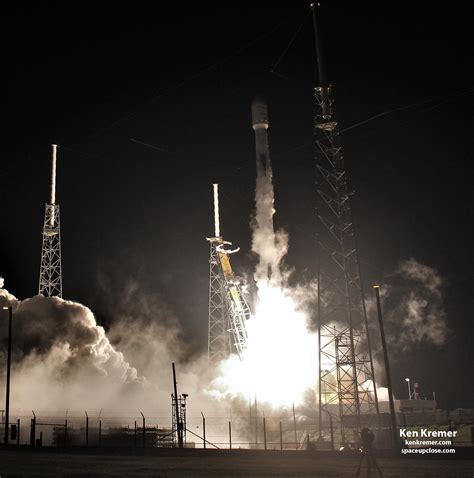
x,y
92,78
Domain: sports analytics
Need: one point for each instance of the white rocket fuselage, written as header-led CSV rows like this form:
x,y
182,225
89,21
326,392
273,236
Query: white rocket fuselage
x,y
260,125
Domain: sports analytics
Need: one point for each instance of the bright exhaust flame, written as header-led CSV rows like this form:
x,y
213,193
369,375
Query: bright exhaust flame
x,y
280,361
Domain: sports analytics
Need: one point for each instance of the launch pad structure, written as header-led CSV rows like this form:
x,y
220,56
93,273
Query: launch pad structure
x,y
346,371
228,309
50,278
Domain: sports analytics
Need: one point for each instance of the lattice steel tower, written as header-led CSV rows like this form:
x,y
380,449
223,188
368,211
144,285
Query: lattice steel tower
x,y
50,280
228,309
346,373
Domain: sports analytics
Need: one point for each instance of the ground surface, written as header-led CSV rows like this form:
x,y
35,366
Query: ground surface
x,y
28,463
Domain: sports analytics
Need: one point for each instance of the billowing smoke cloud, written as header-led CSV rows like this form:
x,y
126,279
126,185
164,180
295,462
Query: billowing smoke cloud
x,y
63,361
142,326
413,306
151,337
62,358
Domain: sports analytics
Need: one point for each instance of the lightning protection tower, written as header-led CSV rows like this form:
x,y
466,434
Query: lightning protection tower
x,y
346,373
50,280
228,309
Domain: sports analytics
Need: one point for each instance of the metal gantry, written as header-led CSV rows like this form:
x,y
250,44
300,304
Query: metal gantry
x,y
237,307
228,309
346,374
50,279
219,345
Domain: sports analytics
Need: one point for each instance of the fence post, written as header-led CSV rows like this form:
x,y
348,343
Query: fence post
x,y
250,420
332,432
281,438
264,434
100,432
144,429
294,426
65,432
32,432
87,428
203,430
33,429
256,424
135,435
18,431
230,435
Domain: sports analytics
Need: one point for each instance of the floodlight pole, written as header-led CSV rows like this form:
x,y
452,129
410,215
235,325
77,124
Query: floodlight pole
x,y
388,376
7,397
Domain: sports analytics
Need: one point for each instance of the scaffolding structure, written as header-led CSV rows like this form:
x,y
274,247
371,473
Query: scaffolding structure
x,y
50,278
228,308
178,427
219,343
346,373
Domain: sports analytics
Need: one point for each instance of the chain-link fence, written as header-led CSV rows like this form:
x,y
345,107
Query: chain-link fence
x,y
109,428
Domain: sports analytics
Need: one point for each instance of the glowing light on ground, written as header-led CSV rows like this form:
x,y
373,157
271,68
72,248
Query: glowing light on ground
x,y
280,361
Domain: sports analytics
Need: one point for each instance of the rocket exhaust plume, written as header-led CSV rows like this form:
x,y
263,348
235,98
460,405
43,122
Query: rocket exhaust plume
x,y
53,179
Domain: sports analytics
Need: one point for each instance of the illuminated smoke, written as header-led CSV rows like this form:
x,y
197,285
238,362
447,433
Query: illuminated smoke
x,y
142,326
62,358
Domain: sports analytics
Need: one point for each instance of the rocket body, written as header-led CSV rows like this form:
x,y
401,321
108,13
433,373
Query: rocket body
x,y
260,125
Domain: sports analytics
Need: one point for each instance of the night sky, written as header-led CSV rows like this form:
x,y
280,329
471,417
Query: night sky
x,y
101,81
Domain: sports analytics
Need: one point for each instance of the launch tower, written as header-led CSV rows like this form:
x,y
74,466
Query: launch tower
x,y
50,280
228,309
346,373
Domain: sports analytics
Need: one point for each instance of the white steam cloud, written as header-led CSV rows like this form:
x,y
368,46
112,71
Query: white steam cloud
x,y
62,358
